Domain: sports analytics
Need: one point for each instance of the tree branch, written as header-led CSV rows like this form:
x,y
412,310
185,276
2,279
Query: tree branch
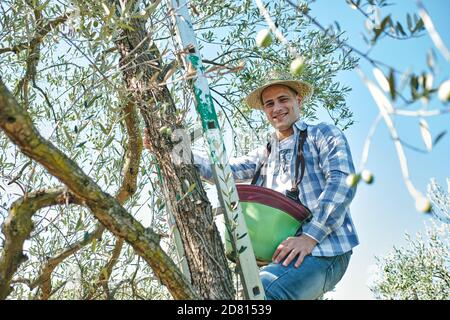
x,y
128,188
18,226
44,279
40,35
17,125
34,50
107,269
132,154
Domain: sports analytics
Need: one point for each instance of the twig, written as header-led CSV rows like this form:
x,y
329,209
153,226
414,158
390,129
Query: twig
x,y
385,107
437,40
365,153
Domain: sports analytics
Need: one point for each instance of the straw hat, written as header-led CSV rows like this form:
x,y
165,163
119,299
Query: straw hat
x,y
303,89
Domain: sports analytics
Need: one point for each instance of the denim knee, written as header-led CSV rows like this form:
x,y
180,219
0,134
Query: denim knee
x,y
290,283
311,280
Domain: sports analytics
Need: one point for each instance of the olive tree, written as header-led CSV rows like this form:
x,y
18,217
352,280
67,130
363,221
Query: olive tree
x,y
420,270
84,211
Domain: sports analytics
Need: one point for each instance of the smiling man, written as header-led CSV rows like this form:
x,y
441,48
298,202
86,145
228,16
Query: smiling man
x,y
312,262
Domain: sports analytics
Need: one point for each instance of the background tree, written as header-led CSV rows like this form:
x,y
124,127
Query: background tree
x,y
420,270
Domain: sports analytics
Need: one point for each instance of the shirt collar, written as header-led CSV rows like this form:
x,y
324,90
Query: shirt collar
x,y
299,125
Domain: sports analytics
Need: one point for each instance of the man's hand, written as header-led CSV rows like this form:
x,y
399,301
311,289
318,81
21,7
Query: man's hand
x,y
146,140
294,246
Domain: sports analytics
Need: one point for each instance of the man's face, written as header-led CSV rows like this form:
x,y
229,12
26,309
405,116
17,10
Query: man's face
x,y
281,105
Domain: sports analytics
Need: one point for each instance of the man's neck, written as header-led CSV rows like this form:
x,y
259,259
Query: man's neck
x,y
283,134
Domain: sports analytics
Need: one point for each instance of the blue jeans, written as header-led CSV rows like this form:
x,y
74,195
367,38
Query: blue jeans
x,y
314,277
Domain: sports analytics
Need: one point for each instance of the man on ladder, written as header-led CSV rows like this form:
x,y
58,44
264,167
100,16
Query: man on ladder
x,y
312,262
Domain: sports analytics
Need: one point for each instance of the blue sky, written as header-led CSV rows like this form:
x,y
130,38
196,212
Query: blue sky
x,y
384,211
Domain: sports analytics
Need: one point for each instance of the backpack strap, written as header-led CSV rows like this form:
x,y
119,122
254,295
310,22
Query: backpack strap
x,y
299,160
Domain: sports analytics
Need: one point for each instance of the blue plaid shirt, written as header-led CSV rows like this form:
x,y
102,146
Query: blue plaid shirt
x,y
323,189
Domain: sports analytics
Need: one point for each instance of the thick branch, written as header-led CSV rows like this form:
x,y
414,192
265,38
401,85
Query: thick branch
x,y
132,154
18,127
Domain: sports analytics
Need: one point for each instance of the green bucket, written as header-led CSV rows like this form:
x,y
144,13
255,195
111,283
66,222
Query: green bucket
x,y
268,223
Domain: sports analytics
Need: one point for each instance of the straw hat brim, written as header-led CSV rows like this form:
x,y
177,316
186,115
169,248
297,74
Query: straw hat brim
x,y
303,89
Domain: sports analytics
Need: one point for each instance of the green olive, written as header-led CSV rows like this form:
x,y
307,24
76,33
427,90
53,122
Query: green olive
x,y
423,204
367,176
264,38
165,131
297,66
352,180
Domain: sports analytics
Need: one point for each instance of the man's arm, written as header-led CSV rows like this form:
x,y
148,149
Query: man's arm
x,y
243,168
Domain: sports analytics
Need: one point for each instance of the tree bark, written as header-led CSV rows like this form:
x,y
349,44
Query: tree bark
x,y
17,125
193,214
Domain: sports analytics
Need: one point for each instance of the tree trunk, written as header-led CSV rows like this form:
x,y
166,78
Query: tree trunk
x,y
193,214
